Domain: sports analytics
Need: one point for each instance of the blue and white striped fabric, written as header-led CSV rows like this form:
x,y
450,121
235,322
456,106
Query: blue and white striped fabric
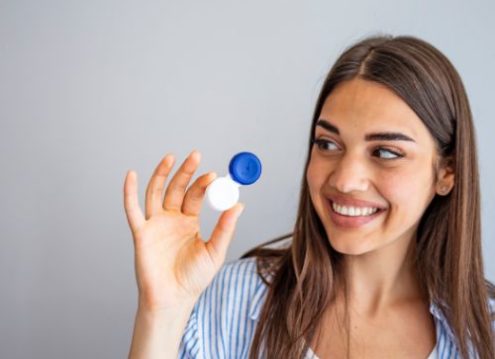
x,y
223,320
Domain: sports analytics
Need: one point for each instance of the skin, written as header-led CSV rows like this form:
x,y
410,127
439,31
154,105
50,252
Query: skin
x,y
381,277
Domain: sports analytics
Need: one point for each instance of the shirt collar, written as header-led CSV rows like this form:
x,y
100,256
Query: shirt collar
x,y
258,300
441,321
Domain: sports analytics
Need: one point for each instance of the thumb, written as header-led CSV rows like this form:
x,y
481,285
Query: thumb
x,y
223,233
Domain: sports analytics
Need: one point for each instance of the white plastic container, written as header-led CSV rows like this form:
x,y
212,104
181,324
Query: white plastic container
x,y
223,192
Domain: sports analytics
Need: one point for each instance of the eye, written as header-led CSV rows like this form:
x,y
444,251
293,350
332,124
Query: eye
x,y
324,144
389,155
381,152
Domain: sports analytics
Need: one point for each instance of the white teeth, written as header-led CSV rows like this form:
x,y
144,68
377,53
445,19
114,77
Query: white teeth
x,y
353,211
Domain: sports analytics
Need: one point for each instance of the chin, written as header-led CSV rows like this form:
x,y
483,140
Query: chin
x,y
350,246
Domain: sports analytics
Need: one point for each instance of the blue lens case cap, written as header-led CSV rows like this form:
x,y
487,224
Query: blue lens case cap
x,y
245,168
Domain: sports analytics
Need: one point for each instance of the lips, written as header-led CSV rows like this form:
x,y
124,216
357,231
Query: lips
x,y
353,202
352,222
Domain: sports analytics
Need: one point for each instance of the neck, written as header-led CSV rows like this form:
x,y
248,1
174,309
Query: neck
x,y
382,278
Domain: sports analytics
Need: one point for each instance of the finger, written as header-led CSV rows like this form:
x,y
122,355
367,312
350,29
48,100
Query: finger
x,y
195,194
174,195
223,232
133,212
154,190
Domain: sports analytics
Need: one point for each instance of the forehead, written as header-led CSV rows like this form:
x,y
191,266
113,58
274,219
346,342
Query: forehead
x,y
361,106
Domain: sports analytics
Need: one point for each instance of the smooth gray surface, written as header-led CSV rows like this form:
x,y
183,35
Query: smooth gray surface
x,y
90,89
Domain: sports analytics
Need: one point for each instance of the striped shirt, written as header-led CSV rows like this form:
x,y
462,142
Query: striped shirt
x,y
223,320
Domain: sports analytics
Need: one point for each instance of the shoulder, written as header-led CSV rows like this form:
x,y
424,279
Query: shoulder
x,y
237,274
491,304
224,318
234,291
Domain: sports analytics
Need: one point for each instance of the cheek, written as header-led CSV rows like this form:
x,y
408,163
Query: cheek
x,y
393,187
315,177
406,192
317,173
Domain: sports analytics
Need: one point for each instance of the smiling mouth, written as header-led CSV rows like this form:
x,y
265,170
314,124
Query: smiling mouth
x,y
352,211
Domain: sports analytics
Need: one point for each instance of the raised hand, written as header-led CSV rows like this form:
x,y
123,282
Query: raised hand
x,y
172,262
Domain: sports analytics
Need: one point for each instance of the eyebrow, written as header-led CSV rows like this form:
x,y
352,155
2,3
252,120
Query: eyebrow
x,y
379,136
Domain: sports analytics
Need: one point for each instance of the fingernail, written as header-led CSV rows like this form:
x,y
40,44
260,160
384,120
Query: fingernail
x,y
168,158
194,153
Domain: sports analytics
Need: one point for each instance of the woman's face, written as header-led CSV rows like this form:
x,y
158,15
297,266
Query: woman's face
x,y
371,174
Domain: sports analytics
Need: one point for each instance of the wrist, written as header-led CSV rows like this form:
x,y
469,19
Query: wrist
x,y
151,310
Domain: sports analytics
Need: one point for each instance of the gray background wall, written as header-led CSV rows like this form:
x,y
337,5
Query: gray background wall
x,y
90,89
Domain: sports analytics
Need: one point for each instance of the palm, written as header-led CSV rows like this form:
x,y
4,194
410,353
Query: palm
x,y
173,263
170,255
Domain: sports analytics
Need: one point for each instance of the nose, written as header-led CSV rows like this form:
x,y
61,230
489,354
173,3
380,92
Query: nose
x,y
350,174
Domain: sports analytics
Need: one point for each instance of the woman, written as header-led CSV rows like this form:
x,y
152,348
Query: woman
x,y
385,257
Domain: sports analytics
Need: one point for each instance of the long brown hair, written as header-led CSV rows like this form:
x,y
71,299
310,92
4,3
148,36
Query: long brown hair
x,y
448,250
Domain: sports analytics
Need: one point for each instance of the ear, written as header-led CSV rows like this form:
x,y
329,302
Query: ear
x,y
445,177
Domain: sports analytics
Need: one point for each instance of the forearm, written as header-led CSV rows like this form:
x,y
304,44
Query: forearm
x,y
157,335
